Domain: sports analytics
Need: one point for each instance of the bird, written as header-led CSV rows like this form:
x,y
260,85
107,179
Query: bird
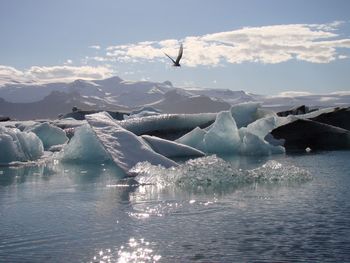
x,y
179,56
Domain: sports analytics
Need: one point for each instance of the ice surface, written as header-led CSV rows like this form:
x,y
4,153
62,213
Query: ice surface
x,y
69,123
167,122
194,138
49,134
253,145
263,126
223,136
213,172
146,108
171,149
245,113
84,147
16,145
124,147
141,114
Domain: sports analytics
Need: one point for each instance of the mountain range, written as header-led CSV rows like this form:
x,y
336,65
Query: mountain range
x,y
33,100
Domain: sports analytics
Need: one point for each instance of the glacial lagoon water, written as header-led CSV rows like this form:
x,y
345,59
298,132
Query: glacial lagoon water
x,y
282,208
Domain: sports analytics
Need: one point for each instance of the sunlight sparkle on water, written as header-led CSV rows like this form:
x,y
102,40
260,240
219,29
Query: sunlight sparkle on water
x,y
136,250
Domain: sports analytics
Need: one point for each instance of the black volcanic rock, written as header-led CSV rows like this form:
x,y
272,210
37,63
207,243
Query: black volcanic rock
x,y
4,118
295,111
340,117
300,134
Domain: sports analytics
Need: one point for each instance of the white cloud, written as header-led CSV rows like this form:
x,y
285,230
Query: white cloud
x,y
97,47
294,94
314,43
10,74
52,74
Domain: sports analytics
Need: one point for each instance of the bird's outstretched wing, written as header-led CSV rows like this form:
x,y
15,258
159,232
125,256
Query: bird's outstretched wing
x,y
180,55
170,58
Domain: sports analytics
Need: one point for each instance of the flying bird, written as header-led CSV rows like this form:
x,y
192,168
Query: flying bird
x,y
179,56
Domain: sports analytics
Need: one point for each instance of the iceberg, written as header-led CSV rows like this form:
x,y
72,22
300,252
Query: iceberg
x,y
19,146
245,113
171,149
145,108
254,145
84,147
124,147
49,134
164,124
223,136
264,126
194,138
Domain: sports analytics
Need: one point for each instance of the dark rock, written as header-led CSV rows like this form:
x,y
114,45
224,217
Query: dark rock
x,y
295,111
340,117
5,118
302,134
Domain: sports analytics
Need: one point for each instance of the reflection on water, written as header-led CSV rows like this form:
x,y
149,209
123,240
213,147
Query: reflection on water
x,y
266,211
80,174
133,251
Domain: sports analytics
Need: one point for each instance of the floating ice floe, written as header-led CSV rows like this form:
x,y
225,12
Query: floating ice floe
x,y
224,136
106,141
124,147
194,138
143,112
49,134
167,123
84,147
171,149
248,112
18,146
213,172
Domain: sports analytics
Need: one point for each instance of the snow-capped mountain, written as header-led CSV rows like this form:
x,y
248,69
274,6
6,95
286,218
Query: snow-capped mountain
x,y
20,100
176,102
54,104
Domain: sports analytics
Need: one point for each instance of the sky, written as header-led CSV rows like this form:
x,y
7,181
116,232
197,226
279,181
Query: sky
x,y
265,47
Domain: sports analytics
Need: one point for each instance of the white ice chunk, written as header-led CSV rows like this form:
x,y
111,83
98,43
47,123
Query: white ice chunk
x,y
254,145
69,123
23,125
262,127
194,138
19,146
223,137
125,148
84,147
140,115
167,122
171,149
146,108
245,113
49,134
